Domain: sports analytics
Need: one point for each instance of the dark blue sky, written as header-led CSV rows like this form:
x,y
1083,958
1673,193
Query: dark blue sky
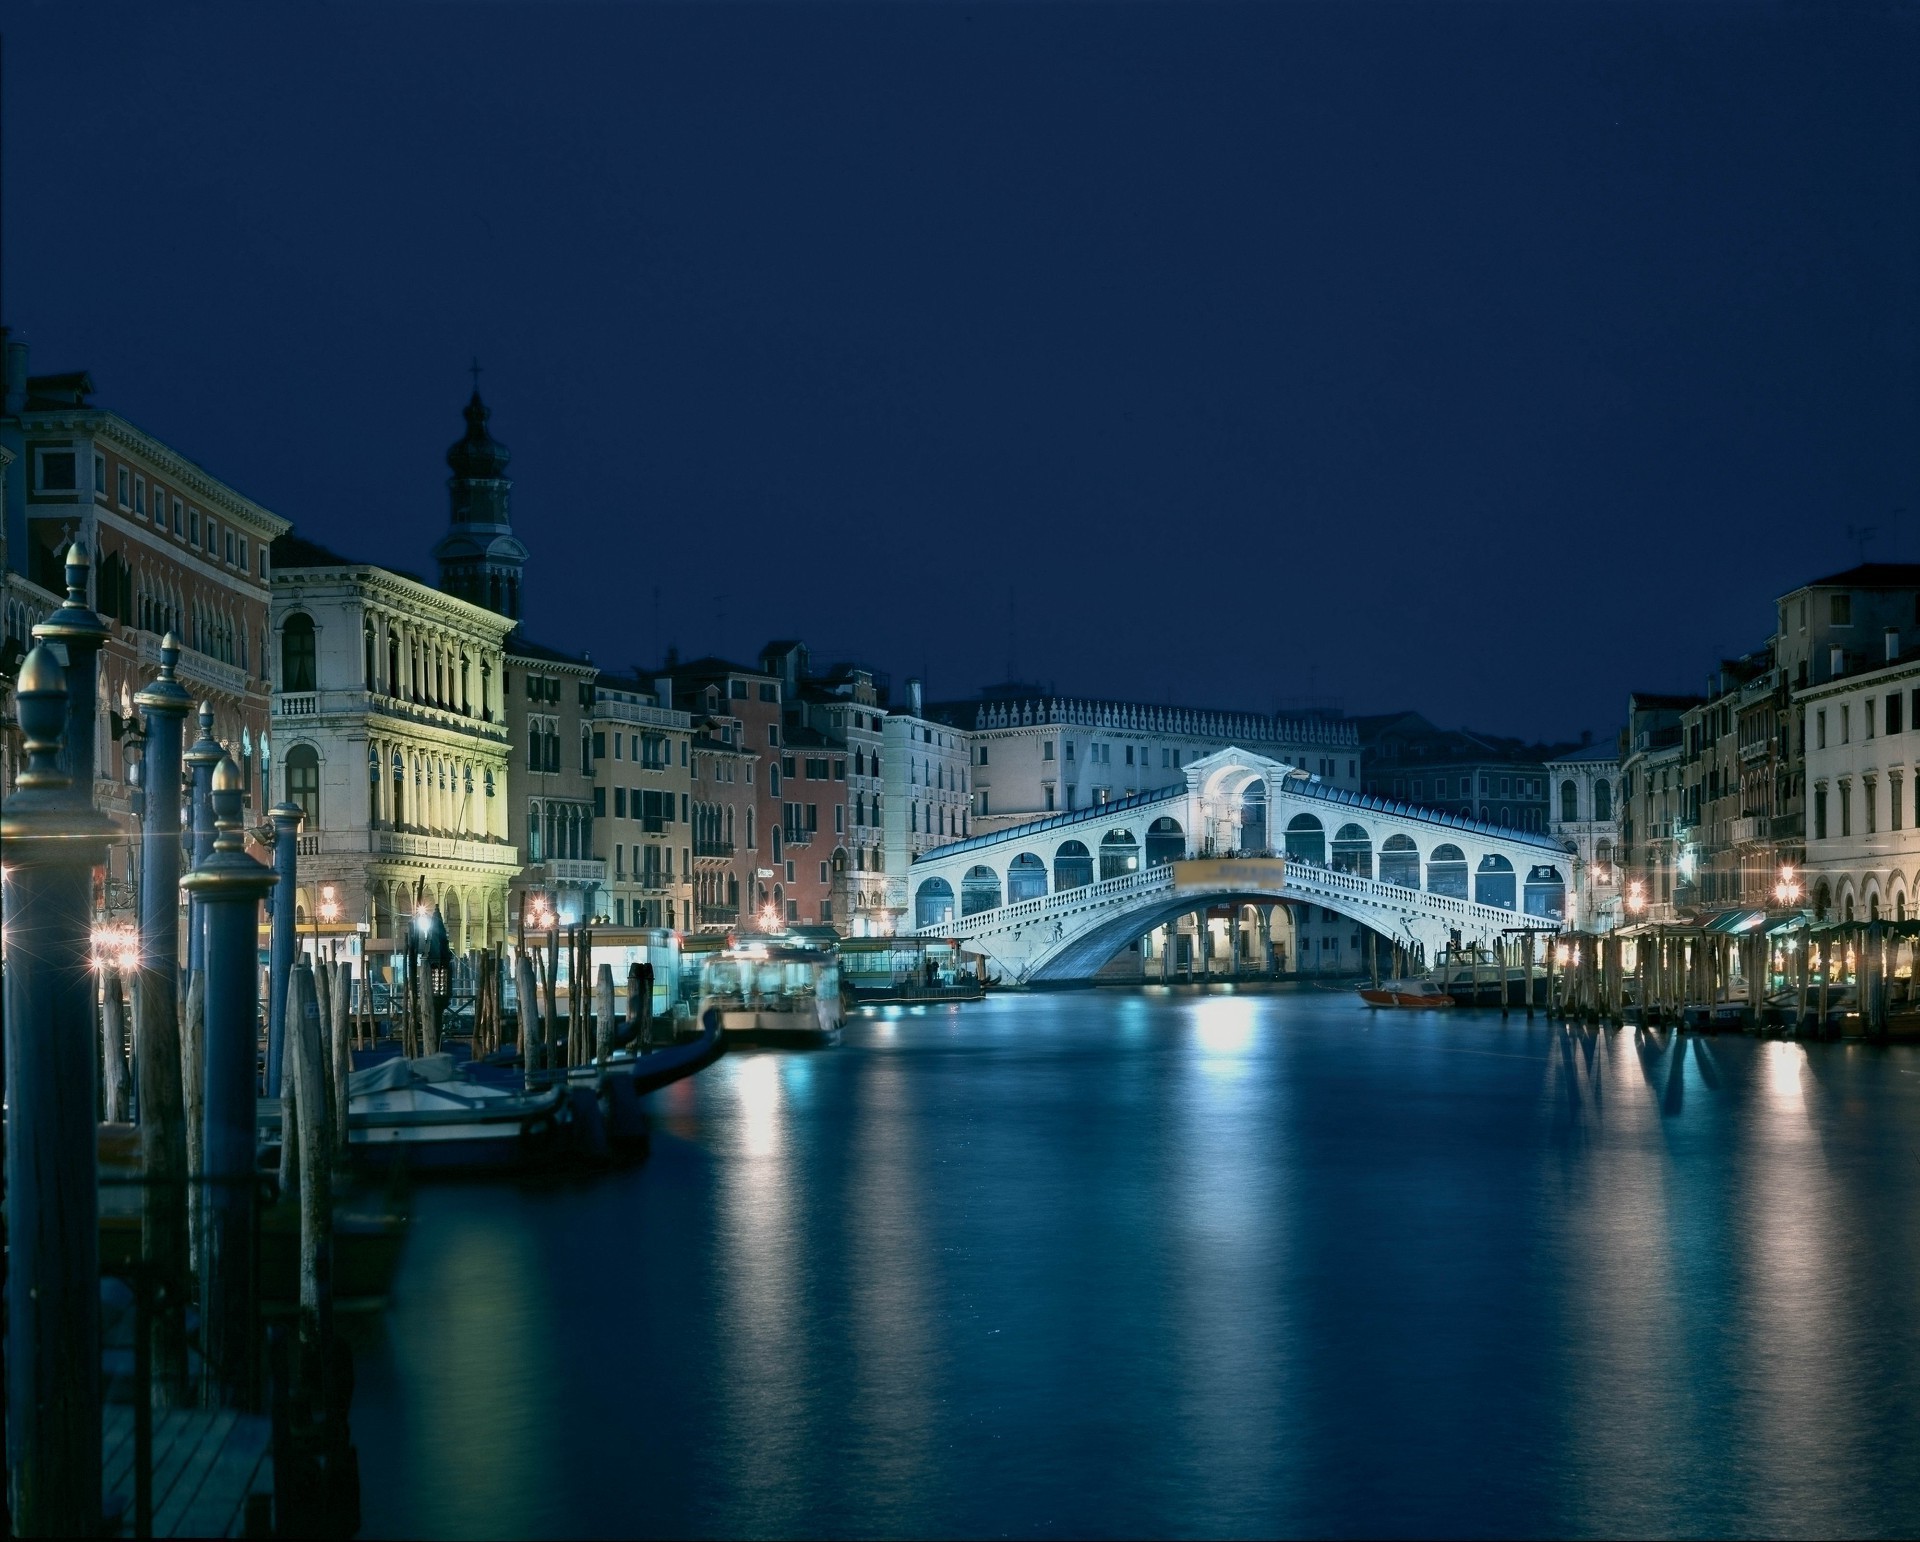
x,y
1493,360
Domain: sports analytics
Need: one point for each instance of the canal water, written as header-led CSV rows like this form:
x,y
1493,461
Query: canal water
x,y
1172,1263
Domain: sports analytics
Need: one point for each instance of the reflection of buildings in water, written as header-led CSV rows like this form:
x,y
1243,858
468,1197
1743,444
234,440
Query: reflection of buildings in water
x,y
1794,1258
486,1290
1228,1268
763,1304
892,1449
1611,1211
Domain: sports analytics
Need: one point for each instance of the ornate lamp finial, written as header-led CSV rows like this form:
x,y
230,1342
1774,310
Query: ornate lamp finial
x,y
77,564
227,822
41,694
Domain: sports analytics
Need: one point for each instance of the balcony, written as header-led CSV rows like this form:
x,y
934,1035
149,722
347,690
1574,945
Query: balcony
x,y
303,705
196,667
798,837
590,870
1751,830
719,915
445,848
721,849
1789,827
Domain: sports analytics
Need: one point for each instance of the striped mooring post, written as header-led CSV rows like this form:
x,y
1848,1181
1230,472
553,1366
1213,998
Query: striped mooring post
x,y
230,886
54,839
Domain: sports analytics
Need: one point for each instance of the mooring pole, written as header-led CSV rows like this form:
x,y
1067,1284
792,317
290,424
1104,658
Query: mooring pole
x,y
201,759
54,839
75,634
164,1236
286,819
231,885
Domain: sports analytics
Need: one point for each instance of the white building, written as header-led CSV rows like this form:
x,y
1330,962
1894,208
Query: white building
x,y
1584,796
927,786
390,732
1863,792
1035,755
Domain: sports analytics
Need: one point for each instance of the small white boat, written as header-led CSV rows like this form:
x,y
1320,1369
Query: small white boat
x,y
426,1113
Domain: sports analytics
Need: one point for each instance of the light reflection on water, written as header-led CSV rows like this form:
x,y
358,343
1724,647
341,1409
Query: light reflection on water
x,y
1167,1263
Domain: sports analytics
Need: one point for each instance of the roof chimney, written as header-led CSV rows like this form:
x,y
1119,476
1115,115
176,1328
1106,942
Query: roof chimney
x,y
663,691
913,697
1893,643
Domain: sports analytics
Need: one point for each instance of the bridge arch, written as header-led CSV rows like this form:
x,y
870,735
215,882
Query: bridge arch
x,y
1447,871
933,903
1493,882
1072,866
979,890
1026,878
1119,854
1400,862
1546,891
1352,851
1166,841
1307,839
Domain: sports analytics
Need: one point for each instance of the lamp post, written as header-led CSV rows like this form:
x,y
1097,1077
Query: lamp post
x,y
327,911
200,761
286,819
53,840
1787,890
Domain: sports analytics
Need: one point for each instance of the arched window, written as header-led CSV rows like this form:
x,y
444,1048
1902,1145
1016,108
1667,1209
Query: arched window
x,y
1546,893
1400,862
1353,851
1072,867
1603,799
368,654
303,782
1447,871
1493,882
932,903
1569,801
399,774
1166,841
297,653
979,890
1306,840
1119,854
1026,878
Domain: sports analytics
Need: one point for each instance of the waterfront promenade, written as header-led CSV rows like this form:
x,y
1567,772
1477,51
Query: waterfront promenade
x,y
1190,1264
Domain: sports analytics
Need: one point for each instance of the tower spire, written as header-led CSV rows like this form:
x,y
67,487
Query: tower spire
x,y
480,558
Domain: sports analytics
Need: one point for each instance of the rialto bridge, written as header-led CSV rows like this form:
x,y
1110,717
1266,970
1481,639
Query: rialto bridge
x,y
1053,900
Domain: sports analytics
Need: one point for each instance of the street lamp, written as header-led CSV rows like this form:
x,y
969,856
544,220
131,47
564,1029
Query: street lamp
x,y
769,917
329,912
1636,897
1788,890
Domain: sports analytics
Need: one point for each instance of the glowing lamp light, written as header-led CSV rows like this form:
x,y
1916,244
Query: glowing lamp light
x,y
1636,897
1788,890
116,946
769,917
329,905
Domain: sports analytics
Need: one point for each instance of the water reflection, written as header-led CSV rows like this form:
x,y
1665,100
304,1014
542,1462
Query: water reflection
x,y
1179,1262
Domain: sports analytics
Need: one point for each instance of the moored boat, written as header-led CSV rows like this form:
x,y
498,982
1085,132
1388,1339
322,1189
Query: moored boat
x,y
773,993
1406,993
423,1112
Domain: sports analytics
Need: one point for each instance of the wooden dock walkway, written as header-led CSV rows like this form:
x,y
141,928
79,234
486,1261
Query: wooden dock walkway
x,y
207,1462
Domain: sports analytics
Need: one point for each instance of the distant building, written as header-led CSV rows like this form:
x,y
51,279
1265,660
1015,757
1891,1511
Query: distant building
x,y
1036,754
926,788
1584,786
643,800
1863,779
392,737
172,549
1653,806
1496,780
549,697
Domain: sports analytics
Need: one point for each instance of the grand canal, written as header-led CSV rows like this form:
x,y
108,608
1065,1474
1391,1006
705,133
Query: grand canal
x,y
1103,1263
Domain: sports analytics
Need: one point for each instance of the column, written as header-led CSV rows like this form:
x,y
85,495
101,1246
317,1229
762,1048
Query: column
x,y
283,945
231,885
201,760
53,841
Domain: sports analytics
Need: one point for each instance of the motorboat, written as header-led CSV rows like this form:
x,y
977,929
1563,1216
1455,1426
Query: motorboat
x,y
425,1112
1406,993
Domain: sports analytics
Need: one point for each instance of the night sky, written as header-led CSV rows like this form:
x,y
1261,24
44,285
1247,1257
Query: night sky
x,y
1491,360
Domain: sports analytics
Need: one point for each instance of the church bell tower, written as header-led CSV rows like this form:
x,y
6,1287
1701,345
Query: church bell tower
x,y
480,558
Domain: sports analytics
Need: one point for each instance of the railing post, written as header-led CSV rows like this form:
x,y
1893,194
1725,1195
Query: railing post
x,y
231,884
53,839
164,1234
286,819
201,759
